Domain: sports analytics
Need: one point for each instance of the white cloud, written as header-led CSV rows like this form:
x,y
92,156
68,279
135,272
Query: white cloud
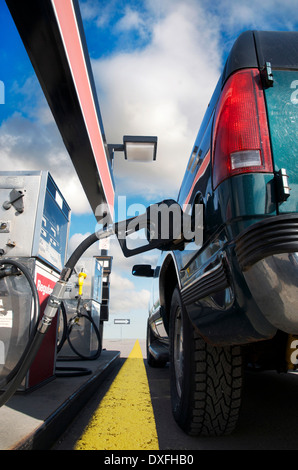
x,y
132,20
34,144
77,239
125,297
234,16
161,90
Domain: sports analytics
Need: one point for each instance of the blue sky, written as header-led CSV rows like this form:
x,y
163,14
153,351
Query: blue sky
x,y
155,64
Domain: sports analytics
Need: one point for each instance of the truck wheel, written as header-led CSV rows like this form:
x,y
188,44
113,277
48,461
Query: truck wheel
x,y
206,381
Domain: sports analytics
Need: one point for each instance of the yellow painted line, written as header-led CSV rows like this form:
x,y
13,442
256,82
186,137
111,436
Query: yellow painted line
x,y
124,419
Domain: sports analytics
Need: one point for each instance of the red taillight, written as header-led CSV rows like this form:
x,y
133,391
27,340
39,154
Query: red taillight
x,y
241,137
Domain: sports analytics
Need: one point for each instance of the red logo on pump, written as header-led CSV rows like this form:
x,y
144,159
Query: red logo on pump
x,y
43,286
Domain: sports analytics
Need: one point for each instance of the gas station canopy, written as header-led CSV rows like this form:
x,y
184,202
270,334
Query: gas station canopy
x,y
53,35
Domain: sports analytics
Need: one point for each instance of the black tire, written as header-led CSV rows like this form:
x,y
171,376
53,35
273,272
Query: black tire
x,y
151,361
206,381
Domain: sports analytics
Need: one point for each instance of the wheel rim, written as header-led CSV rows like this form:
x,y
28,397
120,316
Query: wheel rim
x,y
178,351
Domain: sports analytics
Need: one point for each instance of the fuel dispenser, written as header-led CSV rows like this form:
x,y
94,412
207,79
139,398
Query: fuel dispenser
x,y
34,227
83,322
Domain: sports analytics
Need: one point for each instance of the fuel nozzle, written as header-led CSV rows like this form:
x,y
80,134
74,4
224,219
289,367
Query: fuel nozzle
x,y
163,227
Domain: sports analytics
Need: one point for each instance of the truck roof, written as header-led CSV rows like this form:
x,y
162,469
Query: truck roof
x,y
254,48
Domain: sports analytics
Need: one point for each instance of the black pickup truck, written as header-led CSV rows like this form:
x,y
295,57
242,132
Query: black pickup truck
x,y
230,301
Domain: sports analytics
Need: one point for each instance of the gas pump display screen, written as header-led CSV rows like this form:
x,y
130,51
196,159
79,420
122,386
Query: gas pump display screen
x,y
54,227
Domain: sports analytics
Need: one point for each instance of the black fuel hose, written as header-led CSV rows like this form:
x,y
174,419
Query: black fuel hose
x,y
25,366
80,250
15,377
74,371
36,309
50,312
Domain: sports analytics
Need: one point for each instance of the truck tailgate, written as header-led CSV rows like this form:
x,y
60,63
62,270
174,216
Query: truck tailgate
x,y
282,109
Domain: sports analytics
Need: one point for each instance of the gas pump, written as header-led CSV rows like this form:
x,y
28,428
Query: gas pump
x,y
82,319
34,226
38,327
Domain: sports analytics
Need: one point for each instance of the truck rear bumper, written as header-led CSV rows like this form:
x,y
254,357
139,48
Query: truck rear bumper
x,y
267,253
275,235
